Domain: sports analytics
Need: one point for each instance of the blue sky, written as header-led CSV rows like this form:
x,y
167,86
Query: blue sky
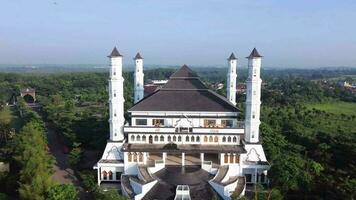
x,y
300,33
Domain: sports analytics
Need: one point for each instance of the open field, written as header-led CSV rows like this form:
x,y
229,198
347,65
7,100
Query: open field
x,y
337,107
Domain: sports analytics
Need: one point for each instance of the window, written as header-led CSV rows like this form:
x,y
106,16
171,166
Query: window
x,y
226,158
229,139
237,159
130,157
156,138
161,138
224,139
110,175
187,139
144,138
179,138
209,123
118,175
226,123
138,138
141,122
253,134
135,157
205,139
184,130
140,157
198,139
192,139
114,93
169,138
132,138
211,139
234,139
174,138
216,139
231,158
253,115
158,122
105,175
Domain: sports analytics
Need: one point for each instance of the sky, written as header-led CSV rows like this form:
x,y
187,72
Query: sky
x,y
299,33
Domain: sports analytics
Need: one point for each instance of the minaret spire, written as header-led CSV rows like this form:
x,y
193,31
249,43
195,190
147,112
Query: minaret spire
x,y
253,98
116,97
231,79
138,76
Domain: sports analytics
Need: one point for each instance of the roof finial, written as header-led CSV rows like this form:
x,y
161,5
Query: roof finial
x,y
254,54
138,56
115,53
232,57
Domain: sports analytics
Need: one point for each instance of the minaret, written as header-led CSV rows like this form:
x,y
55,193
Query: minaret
x,y
231,79
116,97
253,98
138,82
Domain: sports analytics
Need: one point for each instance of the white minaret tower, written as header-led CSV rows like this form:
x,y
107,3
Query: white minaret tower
x,y
253,98
138,82
231,79
116,97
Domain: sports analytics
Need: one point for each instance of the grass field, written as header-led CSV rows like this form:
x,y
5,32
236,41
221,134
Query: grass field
x,y
337,107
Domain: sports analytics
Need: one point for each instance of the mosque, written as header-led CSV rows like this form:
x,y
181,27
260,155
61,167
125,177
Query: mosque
x,y
183,141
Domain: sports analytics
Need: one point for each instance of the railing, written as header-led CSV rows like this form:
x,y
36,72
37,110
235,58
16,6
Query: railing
x,y
149,129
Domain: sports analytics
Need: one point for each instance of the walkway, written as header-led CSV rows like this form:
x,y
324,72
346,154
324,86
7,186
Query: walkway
x,y
171,176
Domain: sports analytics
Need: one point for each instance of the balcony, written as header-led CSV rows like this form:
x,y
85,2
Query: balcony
x,y
198,130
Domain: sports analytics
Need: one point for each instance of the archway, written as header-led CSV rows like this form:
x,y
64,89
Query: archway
x,y
29,98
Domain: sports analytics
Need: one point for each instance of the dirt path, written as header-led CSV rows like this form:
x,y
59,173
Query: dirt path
x,y
62,171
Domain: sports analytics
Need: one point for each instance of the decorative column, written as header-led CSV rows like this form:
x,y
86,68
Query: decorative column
x,y
202,158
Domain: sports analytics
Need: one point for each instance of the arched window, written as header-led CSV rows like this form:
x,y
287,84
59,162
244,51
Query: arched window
x,y
174,138
229,139
234,139
169,138
156,138
144,138
226,158
187,138
138,138
216,139
161,138
140,157
132,138
135,157
231,158
110,175
105,175
237,159
224,139
130,157
198,139
211,139
179,138
192,139
205,139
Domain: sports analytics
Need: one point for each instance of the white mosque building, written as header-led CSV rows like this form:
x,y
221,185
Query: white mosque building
x,y
183,126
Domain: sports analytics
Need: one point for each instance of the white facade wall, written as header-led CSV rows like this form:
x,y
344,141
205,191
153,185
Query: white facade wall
x,y
138,80
253,100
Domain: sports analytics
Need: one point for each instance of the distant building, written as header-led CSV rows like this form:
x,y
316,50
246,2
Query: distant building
x,y
186,131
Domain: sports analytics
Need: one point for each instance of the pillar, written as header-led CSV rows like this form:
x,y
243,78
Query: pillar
x,y
183,159
222,157
99,177
202,158
164,156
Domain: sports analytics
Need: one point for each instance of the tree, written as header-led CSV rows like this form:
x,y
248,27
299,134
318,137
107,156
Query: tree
x,y
108,195
62,192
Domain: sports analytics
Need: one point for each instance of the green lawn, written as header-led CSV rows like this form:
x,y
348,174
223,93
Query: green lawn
x,y
337,107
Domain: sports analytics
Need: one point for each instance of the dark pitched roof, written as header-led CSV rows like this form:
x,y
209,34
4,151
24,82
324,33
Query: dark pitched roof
x,y
184,91
138,56
114,53
184,72
254,54
232,57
